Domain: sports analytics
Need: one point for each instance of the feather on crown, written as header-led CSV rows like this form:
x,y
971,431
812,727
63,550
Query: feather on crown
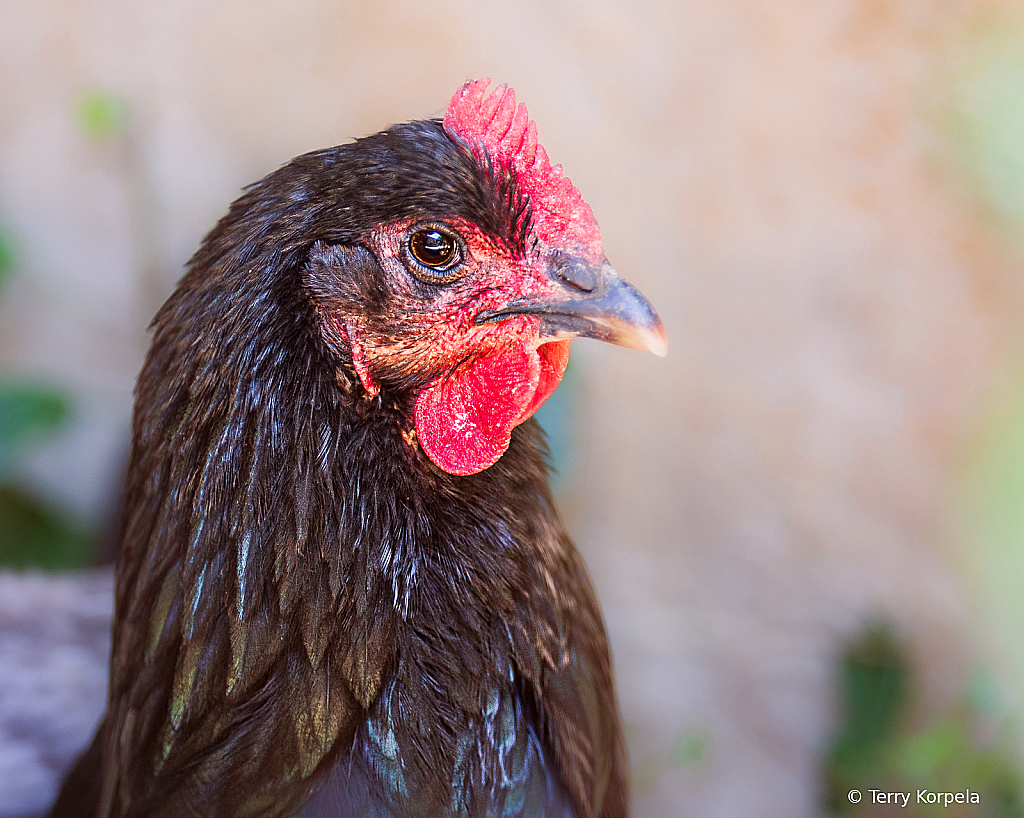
x,y
496,126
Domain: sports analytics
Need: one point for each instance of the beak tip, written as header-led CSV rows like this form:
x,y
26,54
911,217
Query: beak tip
x,y
658,341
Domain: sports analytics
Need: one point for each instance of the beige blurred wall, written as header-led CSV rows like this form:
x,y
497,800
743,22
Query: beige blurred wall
x,y
771,174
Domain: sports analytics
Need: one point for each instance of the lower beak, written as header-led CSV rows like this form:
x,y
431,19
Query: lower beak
x,y
591,302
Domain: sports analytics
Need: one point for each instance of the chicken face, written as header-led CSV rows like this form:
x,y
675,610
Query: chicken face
x,y
471,313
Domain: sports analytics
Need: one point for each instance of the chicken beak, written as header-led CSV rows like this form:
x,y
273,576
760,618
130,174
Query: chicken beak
x,y
591,302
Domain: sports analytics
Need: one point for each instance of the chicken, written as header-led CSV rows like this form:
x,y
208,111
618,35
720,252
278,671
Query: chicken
x,y
342,586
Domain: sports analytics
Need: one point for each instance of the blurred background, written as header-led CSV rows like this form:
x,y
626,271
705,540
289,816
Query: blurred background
x,y
806,524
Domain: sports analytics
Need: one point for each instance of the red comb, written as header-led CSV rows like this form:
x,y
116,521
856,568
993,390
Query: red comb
x,y
496,125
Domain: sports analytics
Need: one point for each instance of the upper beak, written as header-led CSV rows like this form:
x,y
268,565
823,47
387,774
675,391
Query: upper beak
x,y
592,302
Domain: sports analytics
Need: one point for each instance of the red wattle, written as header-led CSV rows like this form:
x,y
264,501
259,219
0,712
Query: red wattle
x,y
554,357
464,422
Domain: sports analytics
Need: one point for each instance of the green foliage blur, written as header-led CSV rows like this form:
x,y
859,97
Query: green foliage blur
x,y
987,119
102,115
32,534
877,746
6,258
985,126
557,417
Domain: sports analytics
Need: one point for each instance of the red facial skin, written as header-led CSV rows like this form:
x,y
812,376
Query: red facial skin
x,y
492,377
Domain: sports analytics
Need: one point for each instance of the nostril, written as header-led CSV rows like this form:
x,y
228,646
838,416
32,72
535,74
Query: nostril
x,y
575,273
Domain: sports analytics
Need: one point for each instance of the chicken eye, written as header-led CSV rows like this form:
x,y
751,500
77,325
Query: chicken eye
x,y
438,254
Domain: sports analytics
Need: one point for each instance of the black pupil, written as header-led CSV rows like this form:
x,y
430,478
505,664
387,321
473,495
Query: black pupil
x,y
433,248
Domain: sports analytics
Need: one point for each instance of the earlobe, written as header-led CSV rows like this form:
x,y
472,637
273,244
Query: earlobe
x,y
346,279
343,281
